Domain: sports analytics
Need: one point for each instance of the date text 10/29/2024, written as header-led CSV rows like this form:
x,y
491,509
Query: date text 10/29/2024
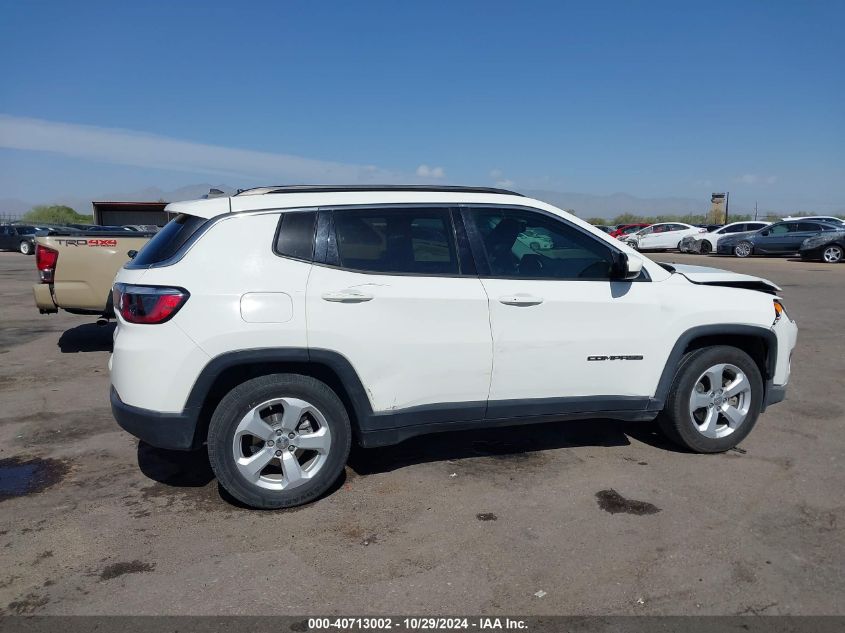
x,y
416,624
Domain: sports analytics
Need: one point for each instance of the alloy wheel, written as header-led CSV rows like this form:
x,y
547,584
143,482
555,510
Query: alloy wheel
x,y
281,443
743,249
720,401
832,254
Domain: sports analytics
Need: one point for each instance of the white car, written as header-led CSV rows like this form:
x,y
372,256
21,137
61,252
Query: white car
x,y
279,325
709,240
661,236
830,219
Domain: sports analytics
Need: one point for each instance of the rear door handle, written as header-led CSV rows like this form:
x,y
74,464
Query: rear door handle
x,y
350,295
521,300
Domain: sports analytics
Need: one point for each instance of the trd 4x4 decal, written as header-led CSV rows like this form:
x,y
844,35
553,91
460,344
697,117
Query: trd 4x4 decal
x,y
94,242
614,357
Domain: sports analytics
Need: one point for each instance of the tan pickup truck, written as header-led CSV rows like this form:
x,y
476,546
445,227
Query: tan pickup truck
x,y
77,269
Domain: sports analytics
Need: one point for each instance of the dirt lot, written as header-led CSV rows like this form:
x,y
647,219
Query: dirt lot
x,y
454,523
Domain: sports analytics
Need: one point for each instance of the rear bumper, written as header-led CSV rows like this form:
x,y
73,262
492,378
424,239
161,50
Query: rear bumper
x,y
44,298
175,431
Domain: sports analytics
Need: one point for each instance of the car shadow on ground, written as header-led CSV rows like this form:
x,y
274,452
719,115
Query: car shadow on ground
x,y
191,469
88,337
503,441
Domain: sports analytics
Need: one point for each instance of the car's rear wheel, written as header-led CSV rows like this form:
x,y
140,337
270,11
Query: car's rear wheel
x,y
279,441
714,400
25,248
705,247
832,254
743,249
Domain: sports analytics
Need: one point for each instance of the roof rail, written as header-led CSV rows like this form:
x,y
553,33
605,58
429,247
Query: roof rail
x,y
341,188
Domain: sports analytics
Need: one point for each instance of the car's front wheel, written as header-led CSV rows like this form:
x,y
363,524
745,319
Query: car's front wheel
x,y
279,441
743,249
833,254
714,400
705,247
25,248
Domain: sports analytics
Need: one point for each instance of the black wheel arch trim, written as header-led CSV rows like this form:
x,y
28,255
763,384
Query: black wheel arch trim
x,y
705,331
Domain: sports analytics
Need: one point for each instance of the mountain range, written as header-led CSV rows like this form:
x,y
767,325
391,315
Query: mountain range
x,y
585,205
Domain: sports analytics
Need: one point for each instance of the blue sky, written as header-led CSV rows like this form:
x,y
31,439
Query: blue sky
x,y
649,98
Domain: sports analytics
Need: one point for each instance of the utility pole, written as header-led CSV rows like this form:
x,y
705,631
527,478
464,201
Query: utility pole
x,y
727,202
755,209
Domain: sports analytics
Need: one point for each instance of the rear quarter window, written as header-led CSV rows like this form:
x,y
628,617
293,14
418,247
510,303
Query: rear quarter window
x,y
167,242
295,235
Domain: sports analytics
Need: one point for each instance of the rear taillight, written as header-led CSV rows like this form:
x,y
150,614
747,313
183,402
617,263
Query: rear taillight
x,y
148,304
702,230
45,260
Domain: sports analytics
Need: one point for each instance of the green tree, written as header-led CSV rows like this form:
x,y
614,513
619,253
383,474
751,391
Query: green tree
x,y
55,214
596,220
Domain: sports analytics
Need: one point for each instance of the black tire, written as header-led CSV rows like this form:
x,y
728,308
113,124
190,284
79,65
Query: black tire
x,y
705,247
26,248
239,401
676,421
744,249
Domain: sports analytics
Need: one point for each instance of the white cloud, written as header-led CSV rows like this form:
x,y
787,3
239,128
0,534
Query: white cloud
x,y
424,171
128,147
499,179
756,179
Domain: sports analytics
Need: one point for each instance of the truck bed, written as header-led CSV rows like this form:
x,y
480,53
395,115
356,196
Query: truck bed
x,y
85,269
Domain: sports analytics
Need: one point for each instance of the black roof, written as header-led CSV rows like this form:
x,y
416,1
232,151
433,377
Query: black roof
x,y
341,188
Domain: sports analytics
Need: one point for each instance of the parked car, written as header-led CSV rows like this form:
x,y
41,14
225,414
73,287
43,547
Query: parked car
x,y
661,236
605,228
830,219
828,247
781,238
18,237
278,325
706,242
143,228
709,227
627,229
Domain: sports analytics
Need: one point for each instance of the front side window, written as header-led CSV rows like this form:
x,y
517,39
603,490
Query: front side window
x,y
781,229
411,241
526,244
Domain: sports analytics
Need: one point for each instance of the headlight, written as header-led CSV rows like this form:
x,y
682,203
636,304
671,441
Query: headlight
x,y
779,310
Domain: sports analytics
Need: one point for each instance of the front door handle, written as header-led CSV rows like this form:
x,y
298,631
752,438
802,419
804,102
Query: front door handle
x,y
521,300
350,295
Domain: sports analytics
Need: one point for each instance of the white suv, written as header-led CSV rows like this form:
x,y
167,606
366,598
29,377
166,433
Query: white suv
x,y
279,324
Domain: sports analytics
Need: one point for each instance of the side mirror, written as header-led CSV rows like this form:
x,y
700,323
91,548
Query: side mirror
x,y
764,233
626,267
132,254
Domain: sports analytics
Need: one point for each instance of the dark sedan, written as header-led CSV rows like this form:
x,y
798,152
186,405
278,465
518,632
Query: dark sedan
x,y
826,247
782,238
18,237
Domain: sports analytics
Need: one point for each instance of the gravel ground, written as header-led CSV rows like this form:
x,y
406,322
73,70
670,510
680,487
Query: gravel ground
x,y
593,517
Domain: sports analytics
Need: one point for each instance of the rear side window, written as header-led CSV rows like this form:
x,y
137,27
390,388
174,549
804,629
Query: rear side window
x,y
295,237
416,241
167,242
